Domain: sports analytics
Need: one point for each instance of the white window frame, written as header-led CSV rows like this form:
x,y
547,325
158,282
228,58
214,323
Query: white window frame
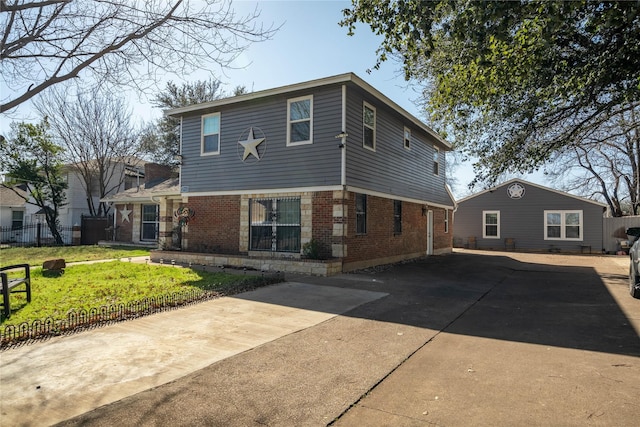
x,y
406,141
290,122
563,225
155,222
484,225
436,161
366,105
202,135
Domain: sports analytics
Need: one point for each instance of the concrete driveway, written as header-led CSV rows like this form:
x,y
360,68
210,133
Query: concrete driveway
x,y
472,338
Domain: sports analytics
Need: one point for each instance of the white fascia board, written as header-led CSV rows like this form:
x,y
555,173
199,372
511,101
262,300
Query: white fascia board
x,y
394,197
542,187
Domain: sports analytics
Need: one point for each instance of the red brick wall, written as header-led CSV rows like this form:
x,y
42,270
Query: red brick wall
x,y
441,240
124,230
156,172
322,227
215,228
380,240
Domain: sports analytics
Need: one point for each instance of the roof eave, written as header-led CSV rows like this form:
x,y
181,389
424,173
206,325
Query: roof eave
x,y
340,78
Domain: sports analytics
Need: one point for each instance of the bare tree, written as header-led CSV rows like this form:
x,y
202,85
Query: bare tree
x,y
123,42
161,138
99,141
604,163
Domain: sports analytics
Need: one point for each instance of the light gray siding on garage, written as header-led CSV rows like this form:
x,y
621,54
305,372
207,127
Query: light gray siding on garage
x,y
523,219
392,169
317,164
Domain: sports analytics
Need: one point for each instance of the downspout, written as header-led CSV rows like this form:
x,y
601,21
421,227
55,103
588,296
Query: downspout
x,y
181,159
343,172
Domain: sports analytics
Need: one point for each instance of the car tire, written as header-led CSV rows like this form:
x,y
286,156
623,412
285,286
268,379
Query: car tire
x,y
634,284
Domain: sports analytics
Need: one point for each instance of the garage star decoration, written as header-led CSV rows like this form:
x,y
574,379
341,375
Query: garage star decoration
x,y
250,145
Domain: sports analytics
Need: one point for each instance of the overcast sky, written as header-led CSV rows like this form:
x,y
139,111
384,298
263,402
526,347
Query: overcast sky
x,y
309,45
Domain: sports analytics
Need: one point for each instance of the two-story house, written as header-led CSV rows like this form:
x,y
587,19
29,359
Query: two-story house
x,y
330,169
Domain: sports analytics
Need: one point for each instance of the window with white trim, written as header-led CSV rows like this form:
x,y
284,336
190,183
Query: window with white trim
x,y
300,120
407,138
490,224
563,225
210,134
436,161
369,126
150,223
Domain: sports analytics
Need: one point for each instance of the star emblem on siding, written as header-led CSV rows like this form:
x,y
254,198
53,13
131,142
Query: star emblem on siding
x,y
124,213
251,145
515,191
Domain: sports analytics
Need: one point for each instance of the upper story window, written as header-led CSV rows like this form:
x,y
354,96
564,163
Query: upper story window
x,y
563,225
491,224
210,134
407,137
369,126
300,120
436,161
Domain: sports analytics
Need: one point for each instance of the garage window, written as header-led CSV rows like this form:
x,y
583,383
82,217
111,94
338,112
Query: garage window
x,y
563,225
491,224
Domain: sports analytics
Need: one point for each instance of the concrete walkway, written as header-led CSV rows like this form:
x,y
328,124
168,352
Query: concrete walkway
x,y
51,381
473,338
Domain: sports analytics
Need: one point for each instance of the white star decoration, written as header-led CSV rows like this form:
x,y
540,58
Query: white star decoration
x,y
124,212
251,145
515,191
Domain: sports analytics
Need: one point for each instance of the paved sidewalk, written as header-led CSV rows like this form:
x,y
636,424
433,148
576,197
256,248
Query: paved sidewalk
x,y
48,382
472,338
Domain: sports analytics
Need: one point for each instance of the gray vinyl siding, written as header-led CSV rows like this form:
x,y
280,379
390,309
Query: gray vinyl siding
x,y
392,169
317,164
523,220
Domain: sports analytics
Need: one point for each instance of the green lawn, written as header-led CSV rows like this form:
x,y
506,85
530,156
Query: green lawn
x,y
36,256
87,286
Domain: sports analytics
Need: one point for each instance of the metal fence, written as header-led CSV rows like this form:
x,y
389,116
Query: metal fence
x,y
84,319
33,234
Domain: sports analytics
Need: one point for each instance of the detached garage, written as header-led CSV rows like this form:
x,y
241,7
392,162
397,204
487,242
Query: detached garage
x,y
519,215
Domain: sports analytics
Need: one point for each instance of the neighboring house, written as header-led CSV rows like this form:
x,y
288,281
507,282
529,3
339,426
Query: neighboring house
x,y
519,215
330,169
137,217
13,213
120,176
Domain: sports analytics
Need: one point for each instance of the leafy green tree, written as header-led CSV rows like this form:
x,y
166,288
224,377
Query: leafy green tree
x,y
31,158
161,139
514,83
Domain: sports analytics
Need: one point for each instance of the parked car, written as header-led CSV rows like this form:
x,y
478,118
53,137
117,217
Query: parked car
x,y
634,257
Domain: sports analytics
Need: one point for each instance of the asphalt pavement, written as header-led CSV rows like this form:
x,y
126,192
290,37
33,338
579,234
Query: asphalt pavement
x,y
471,338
